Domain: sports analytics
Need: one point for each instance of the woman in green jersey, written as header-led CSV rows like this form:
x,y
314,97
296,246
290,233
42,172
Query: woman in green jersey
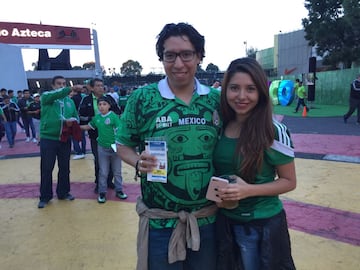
x,y
257,152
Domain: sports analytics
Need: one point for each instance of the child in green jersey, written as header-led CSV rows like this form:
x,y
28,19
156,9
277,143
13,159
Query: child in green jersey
x,y
107,122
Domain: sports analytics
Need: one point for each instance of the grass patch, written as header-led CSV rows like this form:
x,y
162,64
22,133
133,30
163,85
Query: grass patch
x,y
315,110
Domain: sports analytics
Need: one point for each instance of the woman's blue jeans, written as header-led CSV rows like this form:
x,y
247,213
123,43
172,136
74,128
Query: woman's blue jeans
x,y
247,238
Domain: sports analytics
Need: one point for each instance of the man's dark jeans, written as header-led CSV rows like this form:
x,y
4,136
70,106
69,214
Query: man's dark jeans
x,y
50,150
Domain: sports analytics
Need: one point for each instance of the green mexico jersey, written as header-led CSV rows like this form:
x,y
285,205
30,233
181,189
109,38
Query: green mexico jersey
x,y
106,126
191,132
281,152
123,100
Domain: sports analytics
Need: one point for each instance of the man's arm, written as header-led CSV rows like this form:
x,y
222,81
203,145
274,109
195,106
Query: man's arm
x,y
127,154
50,96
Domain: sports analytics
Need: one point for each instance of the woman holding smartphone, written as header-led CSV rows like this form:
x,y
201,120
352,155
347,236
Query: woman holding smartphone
x,y
258,152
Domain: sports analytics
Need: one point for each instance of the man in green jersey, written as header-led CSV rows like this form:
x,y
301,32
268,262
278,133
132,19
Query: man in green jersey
x,y
176,229
58,116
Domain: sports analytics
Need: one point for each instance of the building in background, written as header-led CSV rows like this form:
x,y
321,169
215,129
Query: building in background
x,y
290,55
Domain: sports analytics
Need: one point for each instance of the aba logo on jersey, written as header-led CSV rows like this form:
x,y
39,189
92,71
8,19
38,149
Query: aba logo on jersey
x,y
163,122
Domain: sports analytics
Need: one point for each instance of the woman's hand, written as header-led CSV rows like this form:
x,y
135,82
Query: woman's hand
x,y
236,190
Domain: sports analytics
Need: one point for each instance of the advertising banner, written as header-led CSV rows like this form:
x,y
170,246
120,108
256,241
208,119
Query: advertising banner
x,y
40,36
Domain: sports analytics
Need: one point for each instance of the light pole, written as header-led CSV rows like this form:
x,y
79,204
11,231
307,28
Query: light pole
x,y
245,43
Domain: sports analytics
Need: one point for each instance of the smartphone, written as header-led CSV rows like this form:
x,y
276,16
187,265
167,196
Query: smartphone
x,y
215,183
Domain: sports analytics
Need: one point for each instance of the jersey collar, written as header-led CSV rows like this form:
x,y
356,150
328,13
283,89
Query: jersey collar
x,y
166,92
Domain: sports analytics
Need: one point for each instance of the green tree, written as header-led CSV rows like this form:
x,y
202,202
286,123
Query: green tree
x,y
131,68
352,30
200,69
77,68
332,27
211,68
251,52
89,65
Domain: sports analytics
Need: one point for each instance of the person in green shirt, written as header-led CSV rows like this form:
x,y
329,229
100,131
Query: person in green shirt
x,y
176,228
123,97
107,122
58,116
296,87
256,153
301,92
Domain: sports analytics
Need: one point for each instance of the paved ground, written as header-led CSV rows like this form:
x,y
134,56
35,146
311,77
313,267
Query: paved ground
x,y
323,212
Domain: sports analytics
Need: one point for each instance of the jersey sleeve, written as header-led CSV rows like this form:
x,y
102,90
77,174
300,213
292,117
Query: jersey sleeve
x,y
282,150
127,131
92,123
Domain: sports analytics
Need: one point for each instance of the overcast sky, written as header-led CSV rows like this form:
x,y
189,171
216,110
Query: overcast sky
x,y
128,29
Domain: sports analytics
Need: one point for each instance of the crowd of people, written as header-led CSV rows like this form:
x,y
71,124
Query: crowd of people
x,y
19,110
24,106
177,134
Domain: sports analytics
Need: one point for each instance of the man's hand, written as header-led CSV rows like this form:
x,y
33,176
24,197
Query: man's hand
x,y
77,87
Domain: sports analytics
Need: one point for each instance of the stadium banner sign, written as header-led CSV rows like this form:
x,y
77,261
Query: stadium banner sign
x,y
41,36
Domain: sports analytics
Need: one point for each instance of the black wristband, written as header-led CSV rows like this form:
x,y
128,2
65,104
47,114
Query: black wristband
x,y
137,172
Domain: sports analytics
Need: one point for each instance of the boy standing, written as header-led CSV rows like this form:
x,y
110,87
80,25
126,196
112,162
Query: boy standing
x,y
107,122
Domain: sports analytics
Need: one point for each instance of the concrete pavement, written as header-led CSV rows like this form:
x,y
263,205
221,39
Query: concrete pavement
x,y
323,212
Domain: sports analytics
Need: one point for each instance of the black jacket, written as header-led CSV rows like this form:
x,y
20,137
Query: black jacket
x,y
11,110
23,105
86,112
355,89
77,100
34,106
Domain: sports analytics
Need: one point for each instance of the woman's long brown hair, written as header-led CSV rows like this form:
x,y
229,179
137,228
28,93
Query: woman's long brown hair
x,y
257,131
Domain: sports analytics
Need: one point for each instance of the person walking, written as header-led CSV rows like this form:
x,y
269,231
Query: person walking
x,y
174,124
260,167
2,125
34,110
296,87
301,93
11,111
20,121
26,118
58,118
354,100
